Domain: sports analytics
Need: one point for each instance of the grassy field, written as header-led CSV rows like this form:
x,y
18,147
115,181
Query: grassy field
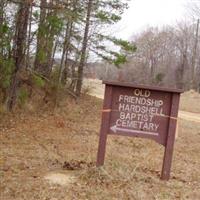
x,y
190,101
38,145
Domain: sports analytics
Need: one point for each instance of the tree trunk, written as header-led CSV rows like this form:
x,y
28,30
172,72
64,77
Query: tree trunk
x,y
48,65
1,23
194,55
1,12
45,41
40,57
53,56
63,57
29,38
64,54
83,50
19,45
181,71
64,75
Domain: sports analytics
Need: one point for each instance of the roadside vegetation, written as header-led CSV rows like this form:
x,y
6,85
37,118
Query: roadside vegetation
x,y
37,144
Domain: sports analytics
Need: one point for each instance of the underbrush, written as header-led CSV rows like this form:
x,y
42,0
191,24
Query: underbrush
x,y
36,93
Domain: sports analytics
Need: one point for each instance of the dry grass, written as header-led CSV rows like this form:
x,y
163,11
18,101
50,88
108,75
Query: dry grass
x,y
33,146
96,87
190,101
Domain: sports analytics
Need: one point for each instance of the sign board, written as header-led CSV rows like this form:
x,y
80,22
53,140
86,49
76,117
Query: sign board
x,y
140,111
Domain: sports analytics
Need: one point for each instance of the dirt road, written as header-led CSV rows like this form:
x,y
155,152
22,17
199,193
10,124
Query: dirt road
x,y
189,116
96,88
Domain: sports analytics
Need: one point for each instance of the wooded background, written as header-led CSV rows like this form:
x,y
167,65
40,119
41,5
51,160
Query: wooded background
x,y
168,56
50,44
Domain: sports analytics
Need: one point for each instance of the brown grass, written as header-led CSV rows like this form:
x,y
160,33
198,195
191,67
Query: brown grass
x,y
190,101
34,145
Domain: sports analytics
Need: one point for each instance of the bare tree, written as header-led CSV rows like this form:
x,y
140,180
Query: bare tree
x,y
194,57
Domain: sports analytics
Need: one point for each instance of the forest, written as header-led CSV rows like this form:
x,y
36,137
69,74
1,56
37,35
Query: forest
x,y
46,44
168,56
52,45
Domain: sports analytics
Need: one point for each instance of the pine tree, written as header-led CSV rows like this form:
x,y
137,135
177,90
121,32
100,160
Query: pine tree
x,y
19,46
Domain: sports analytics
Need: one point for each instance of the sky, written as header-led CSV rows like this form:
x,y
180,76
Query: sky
x,y
144,13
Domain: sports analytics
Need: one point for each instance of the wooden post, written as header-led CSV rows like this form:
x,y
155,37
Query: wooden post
x,y
104,125
170,137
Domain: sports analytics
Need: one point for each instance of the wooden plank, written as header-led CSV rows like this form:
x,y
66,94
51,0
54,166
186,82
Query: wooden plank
x,y
104,126
126,84
167,161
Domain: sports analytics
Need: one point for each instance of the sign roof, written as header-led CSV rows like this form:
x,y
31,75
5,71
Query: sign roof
x,y
127,84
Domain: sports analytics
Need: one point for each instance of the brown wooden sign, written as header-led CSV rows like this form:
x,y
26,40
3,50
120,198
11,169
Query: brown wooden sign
x,y
139,111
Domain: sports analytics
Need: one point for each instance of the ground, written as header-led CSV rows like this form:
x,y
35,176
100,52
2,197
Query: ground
x,y
51,155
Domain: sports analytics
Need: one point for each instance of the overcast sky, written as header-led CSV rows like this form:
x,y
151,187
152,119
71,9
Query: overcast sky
x,y
144,13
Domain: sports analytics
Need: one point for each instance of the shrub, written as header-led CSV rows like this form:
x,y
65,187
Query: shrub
x,y
22,96
38,81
